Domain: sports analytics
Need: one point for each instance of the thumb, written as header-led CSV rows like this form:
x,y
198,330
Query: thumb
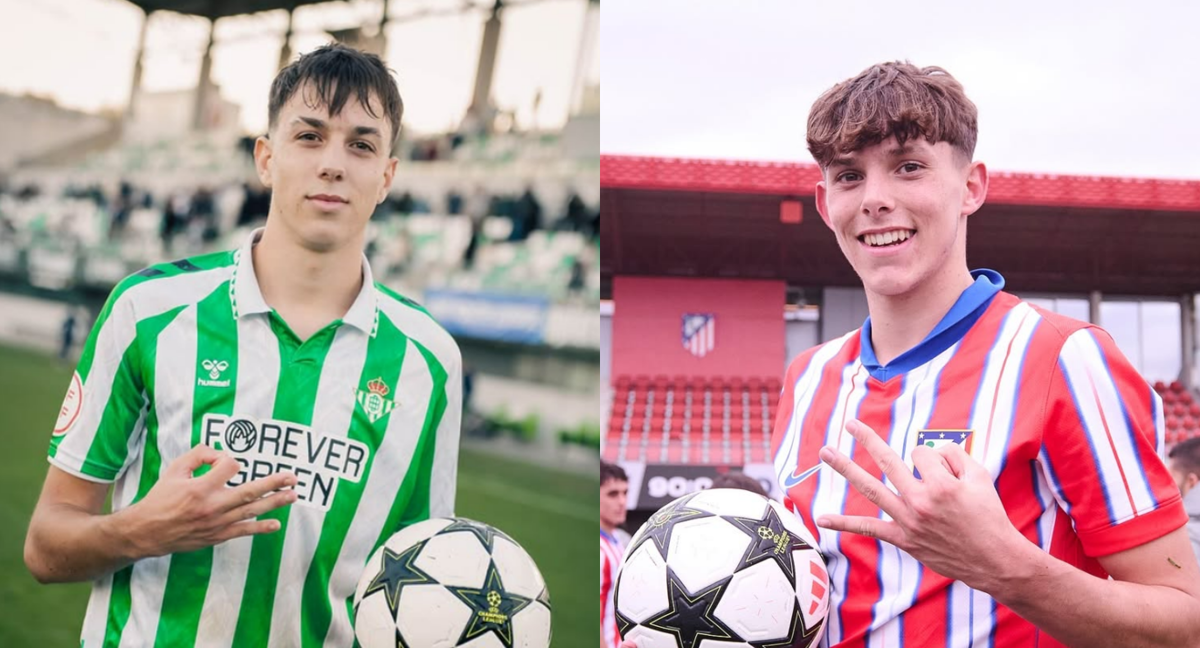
x,y
187,463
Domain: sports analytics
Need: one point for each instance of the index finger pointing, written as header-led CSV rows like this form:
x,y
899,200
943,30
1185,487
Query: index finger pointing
x,y
888,461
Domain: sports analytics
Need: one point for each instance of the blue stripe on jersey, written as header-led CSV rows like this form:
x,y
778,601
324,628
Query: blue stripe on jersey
x,y
954,325
846,490
1044,459
1129,429
1087,434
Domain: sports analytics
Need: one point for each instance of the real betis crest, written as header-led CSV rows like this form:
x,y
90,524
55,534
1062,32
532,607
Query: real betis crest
x,y
373,401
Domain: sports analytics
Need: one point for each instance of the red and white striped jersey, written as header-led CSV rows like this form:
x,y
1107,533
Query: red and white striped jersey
x,y
610,562
1072,434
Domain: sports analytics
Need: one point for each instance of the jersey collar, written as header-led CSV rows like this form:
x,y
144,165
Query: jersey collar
x,y
954,325
247,297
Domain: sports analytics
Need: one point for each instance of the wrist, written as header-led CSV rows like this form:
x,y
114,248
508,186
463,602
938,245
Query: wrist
x,y
119,531
1020,566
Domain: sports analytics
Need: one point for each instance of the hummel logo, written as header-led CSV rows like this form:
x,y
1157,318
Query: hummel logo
x,y
214,369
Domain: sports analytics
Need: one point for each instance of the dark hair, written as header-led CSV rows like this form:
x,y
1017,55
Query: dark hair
x,y
1186,455
889,99
739,480
335,72
610,471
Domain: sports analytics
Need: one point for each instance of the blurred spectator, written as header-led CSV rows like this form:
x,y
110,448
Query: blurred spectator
x,y
255,205
478,208
121,208
1185,468
739,480
527,216
454,203
67,339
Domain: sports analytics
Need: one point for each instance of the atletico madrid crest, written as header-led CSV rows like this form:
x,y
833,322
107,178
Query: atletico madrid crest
x,y
373,401
699,333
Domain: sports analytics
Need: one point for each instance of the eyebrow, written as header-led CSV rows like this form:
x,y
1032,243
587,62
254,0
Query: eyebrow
x,y
895,151
360,131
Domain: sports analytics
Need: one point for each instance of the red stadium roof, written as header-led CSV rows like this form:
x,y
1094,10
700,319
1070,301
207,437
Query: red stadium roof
x,y
797,179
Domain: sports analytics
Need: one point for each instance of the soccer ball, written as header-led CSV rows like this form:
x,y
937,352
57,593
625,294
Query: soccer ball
x,y
722,568
450,582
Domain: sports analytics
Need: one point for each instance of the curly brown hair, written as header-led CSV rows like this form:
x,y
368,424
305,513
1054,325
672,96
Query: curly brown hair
x,y
892,99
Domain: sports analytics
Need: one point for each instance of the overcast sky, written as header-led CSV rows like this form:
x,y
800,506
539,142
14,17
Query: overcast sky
x,y
81,52
1100,87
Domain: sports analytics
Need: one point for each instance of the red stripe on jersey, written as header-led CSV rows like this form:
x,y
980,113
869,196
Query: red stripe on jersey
x,y
1112,446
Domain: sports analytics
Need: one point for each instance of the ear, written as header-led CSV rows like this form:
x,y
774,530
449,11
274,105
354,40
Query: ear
x,y
1191,480
822,207
389,174
262,160
977,186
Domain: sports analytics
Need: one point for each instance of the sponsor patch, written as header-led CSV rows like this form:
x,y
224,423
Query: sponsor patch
x,y
71,406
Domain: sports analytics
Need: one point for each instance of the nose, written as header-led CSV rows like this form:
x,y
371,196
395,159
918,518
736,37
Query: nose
x,y
332,164
877,196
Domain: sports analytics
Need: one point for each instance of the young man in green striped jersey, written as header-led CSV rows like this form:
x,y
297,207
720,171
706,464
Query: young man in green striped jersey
x,y
265,417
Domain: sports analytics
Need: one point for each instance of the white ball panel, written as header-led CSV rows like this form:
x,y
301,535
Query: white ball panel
x,y
647,638
706,550
531,627
729,501
713,643
373,624
431,615
457,559
517,569
487,640
642,584
758,603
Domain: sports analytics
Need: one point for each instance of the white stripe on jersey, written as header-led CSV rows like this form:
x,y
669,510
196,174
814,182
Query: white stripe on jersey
x,y
173,407
970,617
610,557
116,334
332,414
1160,432
1045,497
832,488
804,390
1105,424
899,573
395,453
95,621
257,382
995,401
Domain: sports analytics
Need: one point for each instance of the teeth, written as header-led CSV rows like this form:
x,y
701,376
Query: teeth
x,y
887,238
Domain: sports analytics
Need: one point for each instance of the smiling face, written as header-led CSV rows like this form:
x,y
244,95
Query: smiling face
x,y
327,173
899,213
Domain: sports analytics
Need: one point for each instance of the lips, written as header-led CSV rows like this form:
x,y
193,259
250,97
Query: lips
x,y
327,198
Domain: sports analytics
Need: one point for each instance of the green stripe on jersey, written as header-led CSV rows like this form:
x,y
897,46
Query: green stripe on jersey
x,y
188,578
300,367
412,505
385,358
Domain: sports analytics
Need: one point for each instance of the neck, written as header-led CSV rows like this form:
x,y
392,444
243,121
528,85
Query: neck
x,y
297,280
607,528
900,322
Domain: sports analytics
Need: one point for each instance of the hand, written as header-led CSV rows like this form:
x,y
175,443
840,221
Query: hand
x,y
951,519
183,512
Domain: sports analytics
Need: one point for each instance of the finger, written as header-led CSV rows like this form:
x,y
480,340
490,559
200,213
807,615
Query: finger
x,y
864,526
863,482
223,469
957,460
888,461
259,506
187,463
255,490
250,527
931,464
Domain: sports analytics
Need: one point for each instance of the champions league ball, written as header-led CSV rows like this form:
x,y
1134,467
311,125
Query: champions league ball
x,y
722,568
449,582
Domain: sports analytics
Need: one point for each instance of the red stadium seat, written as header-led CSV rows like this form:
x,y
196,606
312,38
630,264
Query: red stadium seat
x,y
1160,386
1176,386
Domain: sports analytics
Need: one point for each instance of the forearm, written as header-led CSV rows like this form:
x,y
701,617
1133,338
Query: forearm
x,y
1079,609
67,544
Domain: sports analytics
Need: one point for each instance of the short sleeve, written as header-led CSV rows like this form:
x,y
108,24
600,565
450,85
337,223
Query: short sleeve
x,y
1101,448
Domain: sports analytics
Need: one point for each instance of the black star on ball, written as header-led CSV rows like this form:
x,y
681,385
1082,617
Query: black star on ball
x,y
690,615
486,534
662,523
798,636
492,608
769,540
396,571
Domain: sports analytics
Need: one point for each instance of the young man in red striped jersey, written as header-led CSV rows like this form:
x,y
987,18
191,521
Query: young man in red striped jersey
x,y
614,488
993,464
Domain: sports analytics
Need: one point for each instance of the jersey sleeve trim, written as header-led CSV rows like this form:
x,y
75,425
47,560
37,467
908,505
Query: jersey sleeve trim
x,y
90,471
1136,531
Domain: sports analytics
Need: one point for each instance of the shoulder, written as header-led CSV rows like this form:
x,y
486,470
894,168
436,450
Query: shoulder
x,y
163,286
414,321
846,346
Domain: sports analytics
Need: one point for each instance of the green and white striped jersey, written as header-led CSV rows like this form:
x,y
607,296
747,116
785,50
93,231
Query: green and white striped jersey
x,y
366,412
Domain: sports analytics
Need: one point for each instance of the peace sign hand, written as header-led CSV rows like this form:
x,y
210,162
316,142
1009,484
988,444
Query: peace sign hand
x,y
951,519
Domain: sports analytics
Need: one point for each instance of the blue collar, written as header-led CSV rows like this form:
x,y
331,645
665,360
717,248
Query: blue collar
x,y
954,325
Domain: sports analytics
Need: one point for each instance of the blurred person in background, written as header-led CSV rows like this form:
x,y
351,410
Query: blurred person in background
x,y
216,391
739,480
1184,464
614,489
